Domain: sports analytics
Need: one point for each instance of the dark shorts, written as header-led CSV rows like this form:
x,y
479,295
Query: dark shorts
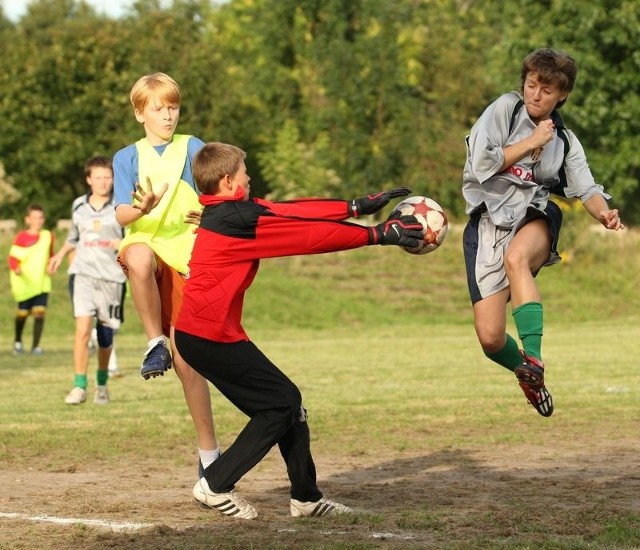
x,y
39,301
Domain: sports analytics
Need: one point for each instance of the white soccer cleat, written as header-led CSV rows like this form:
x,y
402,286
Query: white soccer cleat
x,y
101,397
322,507
76,396
229,504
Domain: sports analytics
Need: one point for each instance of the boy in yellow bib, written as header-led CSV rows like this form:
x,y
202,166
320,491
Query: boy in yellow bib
x,y
29,277
156,200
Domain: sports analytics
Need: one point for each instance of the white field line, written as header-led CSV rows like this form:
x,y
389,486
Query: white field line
x,y
113,526
128,526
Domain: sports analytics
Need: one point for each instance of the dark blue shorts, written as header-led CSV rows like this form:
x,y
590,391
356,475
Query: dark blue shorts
x,y
36,301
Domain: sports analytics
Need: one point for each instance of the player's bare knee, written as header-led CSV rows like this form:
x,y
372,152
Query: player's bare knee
x,y
491,342
515,261
139,260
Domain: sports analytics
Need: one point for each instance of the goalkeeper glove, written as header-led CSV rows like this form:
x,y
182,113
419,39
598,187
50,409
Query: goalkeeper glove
x,y
372,203
402,231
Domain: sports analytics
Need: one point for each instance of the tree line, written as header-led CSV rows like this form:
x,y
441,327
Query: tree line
x,y
328,97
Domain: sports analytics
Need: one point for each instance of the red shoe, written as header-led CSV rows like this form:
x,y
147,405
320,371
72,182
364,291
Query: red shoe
x,y
530,375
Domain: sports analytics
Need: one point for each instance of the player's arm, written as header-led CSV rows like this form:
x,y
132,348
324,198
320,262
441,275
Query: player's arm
x,y
599,209
17,252
14,265
336,209
145,200
193,217
329,209
278,236
56,259
126,214
543,134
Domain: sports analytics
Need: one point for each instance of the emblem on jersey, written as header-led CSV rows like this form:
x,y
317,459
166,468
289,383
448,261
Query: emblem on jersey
x,y
536,154
97,224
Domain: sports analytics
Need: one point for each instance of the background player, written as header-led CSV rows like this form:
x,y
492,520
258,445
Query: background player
x,y
97,283
29,276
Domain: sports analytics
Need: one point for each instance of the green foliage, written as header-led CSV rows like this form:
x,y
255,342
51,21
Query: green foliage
x,y
604,108
297,170
60,77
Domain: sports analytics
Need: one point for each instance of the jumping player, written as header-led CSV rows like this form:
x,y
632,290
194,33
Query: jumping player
x,y
154,196
234,234
515,157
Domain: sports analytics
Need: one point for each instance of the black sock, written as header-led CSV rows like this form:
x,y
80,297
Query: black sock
x,y
20,322
38,325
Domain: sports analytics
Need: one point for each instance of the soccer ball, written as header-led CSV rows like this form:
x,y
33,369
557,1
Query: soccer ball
x,y
432,217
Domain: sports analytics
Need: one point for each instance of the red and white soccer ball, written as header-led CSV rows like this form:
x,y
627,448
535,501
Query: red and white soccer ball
x,y
432,217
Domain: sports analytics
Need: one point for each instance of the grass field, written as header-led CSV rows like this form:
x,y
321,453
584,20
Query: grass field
x,y
411,425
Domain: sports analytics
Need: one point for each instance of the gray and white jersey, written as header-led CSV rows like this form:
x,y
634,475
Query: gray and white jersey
x,y
91,234
507,195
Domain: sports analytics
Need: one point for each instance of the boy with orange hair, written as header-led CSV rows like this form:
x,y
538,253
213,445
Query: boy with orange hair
x,y
155,200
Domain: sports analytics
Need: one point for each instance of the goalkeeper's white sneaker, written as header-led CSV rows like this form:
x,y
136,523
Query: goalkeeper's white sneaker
x,y
229,504
322,507
76,396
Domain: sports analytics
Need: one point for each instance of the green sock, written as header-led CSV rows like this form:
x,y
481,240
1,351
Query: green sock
x,y
80,381
102,377
509,356
528,319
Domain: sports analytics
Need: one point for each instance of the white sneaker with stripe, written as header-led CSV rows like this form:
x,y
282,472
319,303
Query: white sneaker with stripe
x,y
229,504
322,507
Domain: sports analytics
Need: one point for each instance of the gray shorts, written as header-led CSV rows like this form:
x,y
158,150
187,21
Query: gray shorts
x,y
485,245
97,298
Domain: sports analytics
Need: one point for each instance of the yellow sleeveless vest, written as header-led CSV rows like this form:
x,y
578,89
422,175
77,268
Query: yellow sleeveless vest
x,y
33,265
164,229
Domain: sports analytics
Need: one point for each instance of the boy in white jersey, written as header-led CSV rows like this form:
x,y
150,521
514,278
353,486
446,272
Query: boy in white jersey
x,y
155,200
96,284
514,158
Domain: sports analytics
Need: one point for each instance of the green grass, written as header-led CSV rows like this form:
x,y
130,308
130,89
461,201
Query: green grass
x,y
382,346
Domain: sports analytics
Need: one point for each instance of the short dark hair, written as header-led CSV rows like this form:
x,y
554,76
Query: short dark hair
x,y
98,161
553,67
213,162
34,208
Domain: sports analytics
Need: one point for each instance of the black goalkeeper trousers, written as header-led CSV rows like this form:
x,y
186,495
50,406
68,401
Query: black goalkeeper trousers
x,y
245,376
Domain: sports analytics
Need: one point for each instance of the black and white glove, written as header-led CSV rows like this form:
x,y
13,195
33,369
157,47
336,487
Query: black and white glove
x,y
374,202
402,231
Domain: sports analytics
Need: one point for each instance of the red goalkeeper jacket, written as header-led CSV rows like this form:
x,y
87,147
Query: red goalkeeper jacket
x,y
233,236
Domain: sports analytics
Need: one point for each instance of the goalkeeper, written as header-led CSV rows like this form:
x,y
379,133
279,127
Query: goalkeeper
x,y
234,234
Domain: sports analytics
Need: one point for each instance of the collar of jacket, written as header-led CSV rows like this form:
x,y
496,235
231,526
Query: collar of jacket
x,y
211,200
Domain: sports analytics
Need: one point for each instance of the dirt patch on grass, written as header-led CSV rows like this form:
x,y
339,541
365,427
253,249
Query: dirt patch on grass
x,y
528,494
